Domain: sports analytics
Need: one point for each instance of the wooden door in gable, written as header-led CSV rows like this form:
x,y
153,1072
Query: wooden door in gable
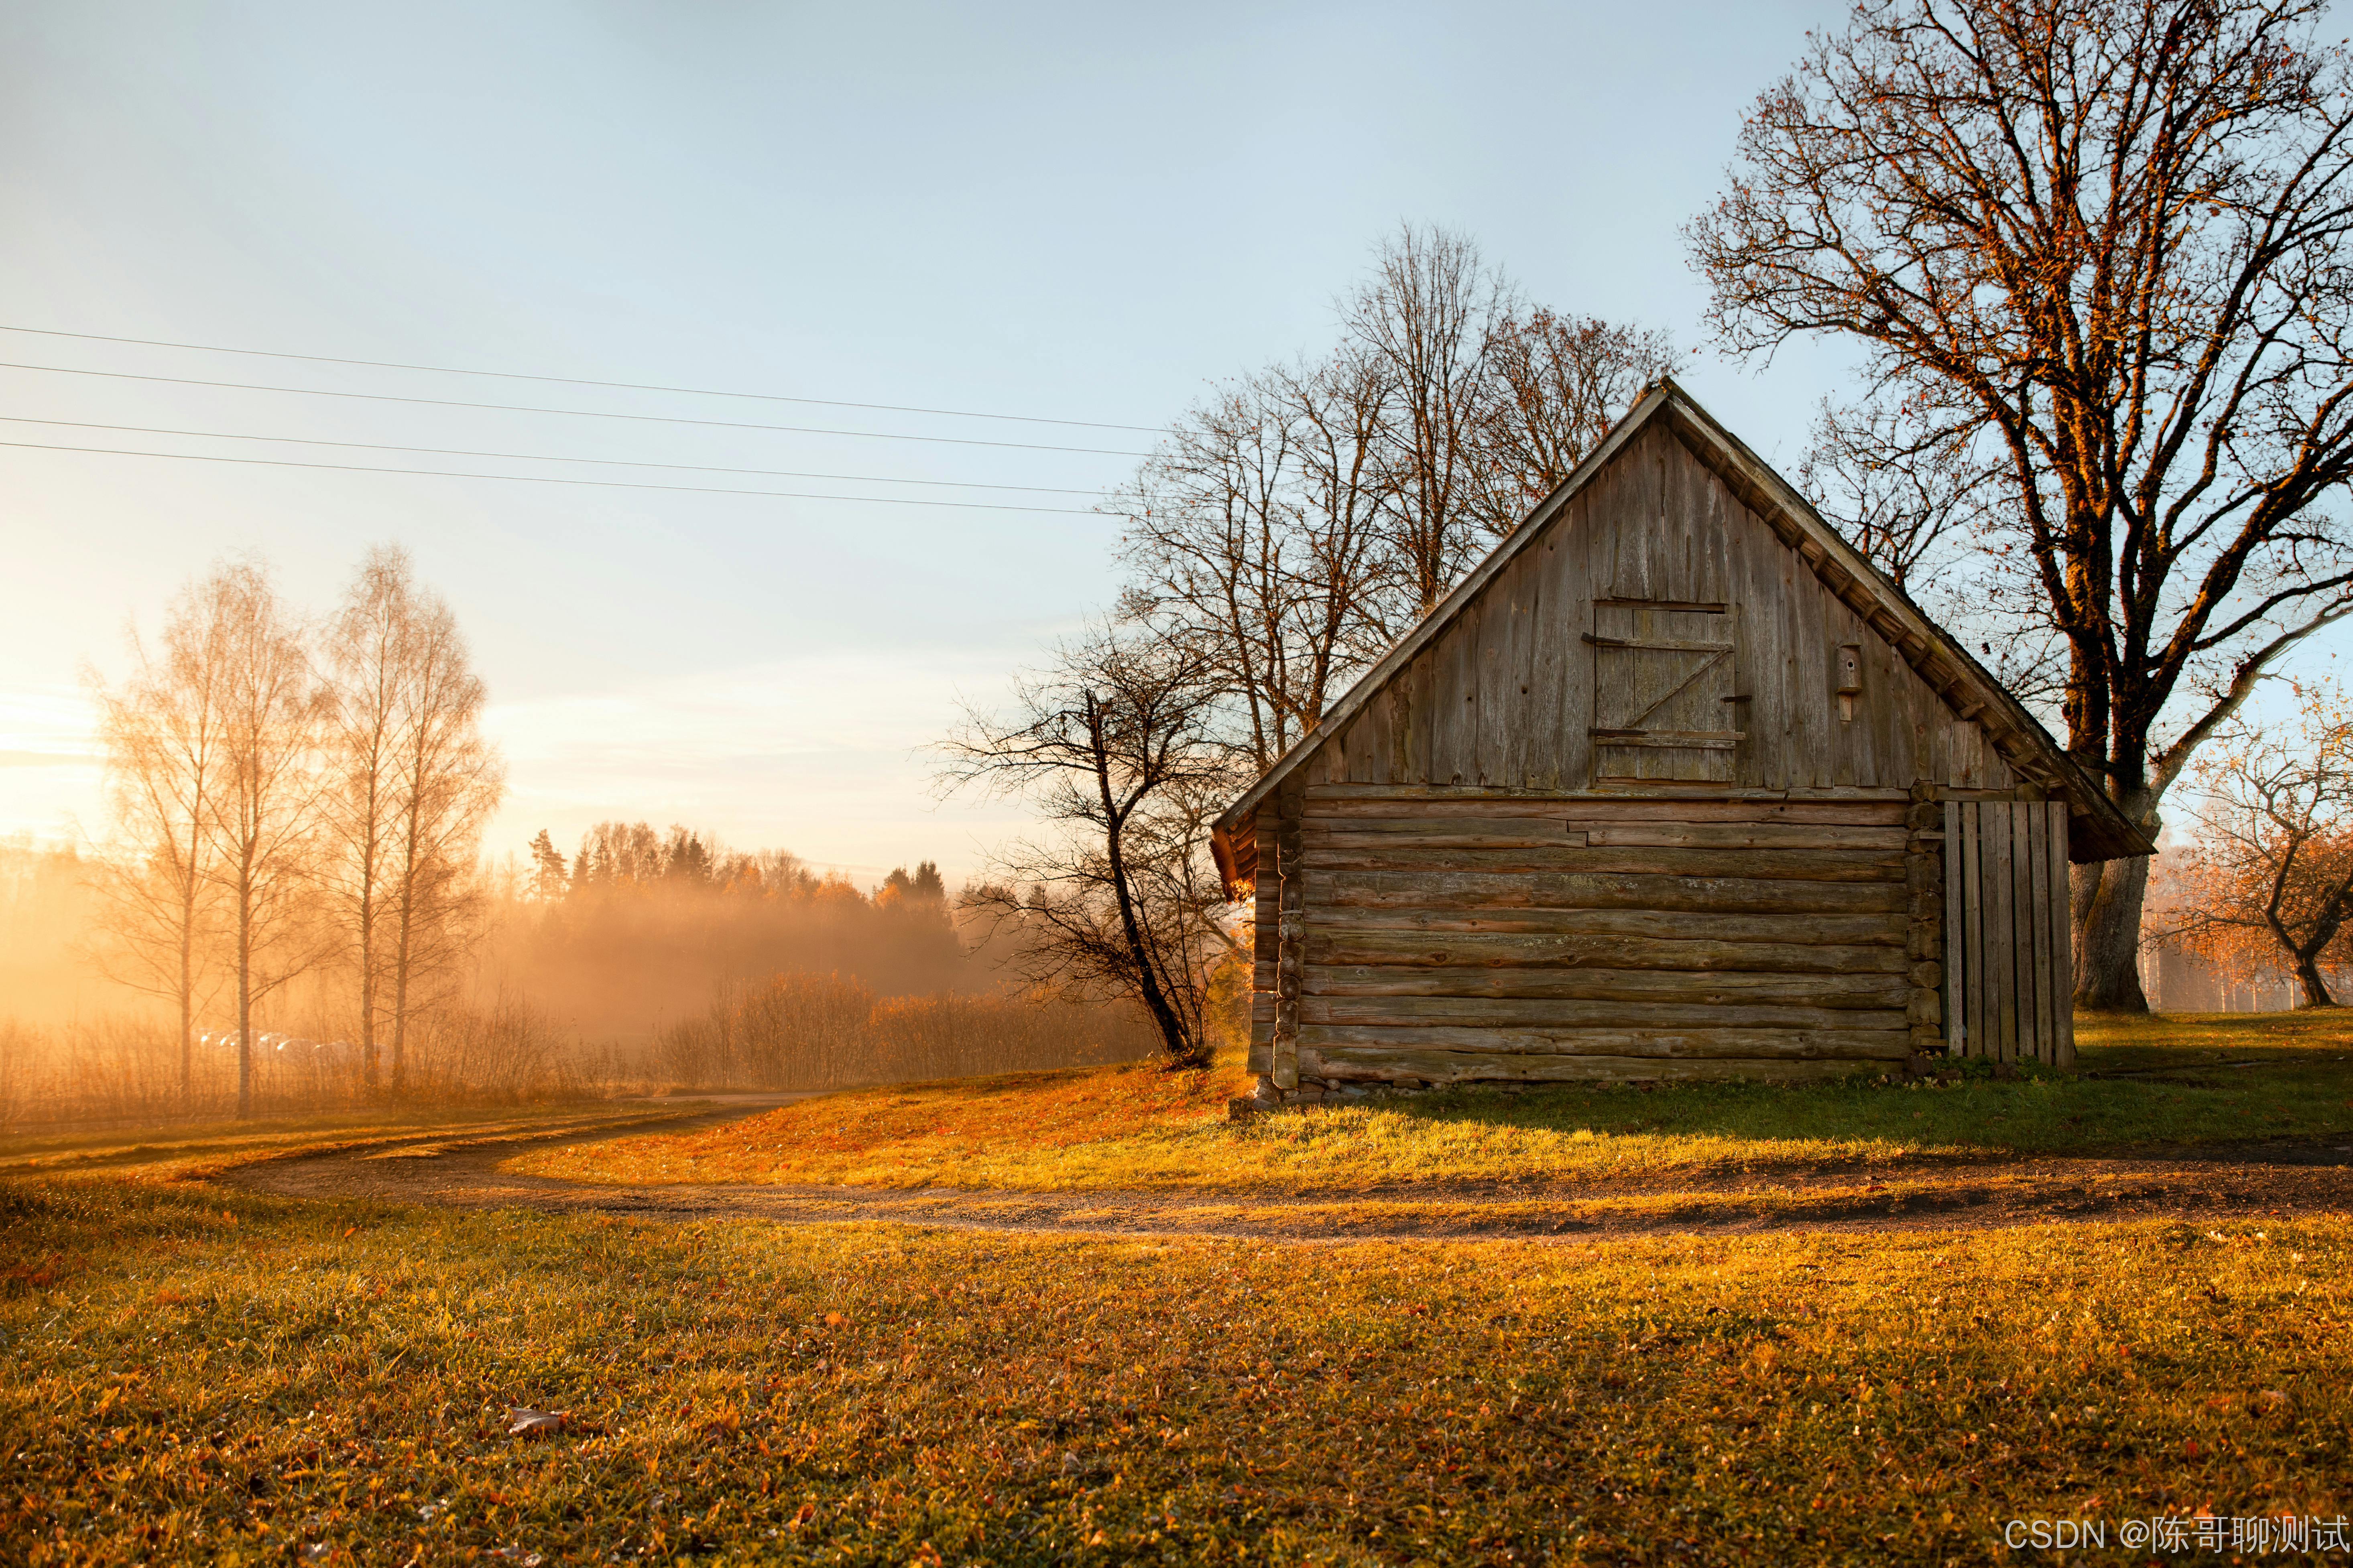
x,y
1663,691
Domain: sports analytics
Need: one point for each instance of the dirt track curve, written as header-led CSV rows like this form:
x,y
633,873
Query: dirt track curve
x,y
2203,1185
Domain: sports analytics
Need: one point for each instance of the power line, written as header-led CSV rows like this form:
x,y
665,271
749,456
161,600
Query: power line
x,y
574,380
548,480
537,456
581,413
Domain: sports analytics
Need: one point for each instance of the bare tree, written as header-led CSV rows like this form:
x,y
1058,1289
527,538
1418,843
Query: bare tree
x,y
2116,229
1254,537
261,819
366,649
1555,387
1289,529
1907,493
1116,746
164,734
1428,320
447,781
2272,871
1212,522
1345,610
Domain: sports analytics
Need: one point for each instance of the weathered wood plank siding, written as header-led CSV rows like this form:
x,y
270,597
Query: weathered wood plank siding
x,y
1265,925
1457,935
1506,697
2009,971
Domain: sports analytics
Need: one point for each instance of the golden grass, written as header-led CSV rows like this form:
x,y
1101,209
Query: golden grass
x,y
187,1151
1137,1127
201,1375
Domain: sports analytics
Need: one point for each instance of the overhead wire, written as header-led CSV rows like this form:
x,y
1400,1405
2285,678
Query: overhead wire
x,y
549,480
536,457
575,380
579,413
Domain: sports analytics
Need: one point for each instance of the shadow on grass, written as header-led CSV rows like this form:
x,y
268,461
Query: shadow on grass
x,y
2234,1079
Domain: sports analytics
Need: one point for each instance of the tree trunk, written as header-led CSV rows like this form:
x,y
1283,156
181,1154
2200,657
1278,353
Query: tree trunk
x,y
2107,898
244,1022
400,1005
187,1009
1175,1039
2308,975
367,993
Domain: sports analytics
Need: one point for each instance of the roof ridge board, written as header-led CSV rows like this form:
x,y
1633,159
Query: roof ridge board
x,y
1655,399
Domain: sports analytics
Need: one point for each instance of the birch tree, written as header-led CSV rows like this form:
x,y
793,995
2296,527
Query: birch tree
x,y
1428,319
261,819
164,732
447,781
368,653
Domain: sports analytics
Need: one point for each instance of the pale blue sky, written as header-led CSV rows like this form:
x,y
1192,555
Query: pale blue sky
x,y
1088,213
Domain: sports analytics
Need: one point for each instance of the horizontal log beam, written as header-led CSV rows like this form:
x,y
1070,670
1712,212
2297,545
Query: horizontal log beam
x,y
1546,1013
1561,832
1606,809
1876,930
1790,865
1662,787
1838,991
1741,835
1497,950
1479,890
1471,1065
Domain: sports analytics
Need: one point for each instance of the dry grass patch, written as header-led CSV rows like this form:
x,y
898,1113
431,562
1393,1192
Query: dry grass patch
x,y
1137,1127
203,1375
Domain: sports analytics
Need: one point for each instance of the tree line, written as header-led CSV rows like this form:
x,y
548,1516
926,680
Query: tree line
x,y
2092,258
636,858
291,796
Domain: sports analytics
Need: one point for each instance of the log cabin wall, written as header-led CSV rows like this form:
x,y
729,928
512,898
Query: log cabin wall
x,y
1454,935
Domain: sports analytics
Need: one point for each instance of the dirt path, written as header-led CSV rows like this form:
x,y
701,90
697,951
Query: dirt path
x,y
2200,1184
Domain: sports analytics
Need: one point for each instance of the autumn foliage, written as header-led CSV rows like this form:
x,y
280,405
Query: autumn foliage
x,y
2269,882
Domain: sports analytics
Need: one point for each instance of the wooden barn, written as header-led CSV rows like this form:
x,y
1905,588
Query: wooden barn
x,y
1673,786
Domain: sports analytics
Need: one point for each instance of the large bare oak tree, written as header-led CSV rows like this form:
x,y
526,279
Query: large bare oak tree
x,y
2116,231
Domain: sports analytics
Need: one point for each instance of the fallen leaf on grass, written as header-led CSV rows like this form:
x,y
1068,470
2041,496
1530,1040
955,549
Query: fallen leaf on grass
x,y
527,1423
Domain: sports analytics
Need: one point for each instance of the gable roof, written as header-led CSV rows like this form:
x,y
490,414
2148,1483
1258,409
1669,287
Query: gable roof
x,y
2097,829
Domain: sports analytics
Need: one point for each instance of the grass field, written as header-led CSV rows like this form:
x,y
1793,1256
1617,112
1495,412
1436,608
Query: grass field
x,y
196,1373
2231,1079
200,1375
